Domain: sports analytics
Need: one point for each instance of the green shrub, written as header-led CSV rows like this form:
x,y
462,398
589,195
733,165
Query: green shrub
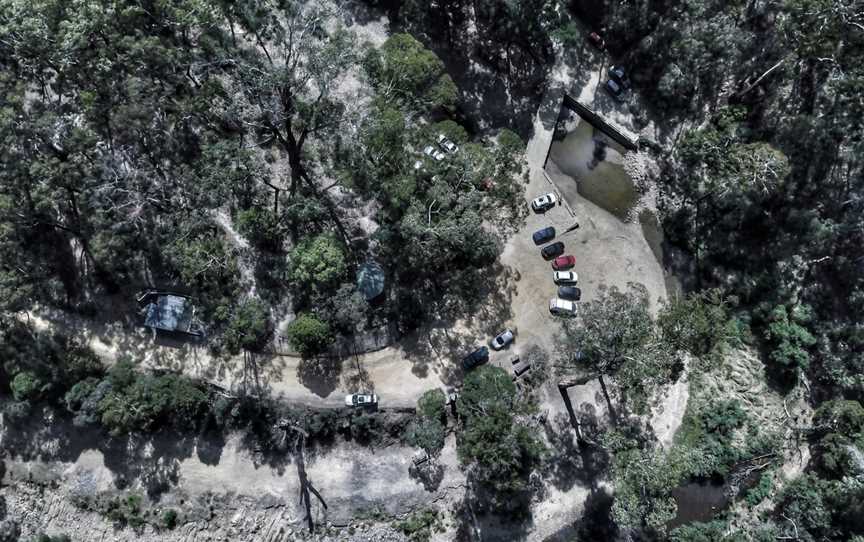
x,y
420,525
26,386
788,338
309,335
169,518
432,404
140,401
249,327
761,490
126,511
427,434
704,441
260,226
318,262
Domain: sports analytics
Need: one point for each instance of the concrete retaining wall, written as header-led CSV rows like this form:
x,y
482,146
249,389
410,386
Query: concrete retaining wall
x,y
630,142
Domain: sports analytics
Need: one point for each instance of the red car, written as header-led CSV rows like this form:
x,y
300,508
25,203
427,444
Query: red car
x,y
563,262
597,41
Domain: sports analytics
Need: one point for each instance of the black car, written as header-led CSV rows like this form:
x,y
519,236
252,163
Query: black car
x,y
569,292
544,235
615,90
553,250
618,75
475,358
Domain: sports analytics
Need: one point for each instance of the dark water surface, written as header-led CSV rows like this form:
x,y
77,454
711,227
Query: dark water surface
x,y
698,501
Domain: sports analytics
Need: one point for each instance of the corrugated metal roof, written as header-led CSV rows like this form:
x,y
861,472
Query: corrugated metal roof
x,y
170,313
370,280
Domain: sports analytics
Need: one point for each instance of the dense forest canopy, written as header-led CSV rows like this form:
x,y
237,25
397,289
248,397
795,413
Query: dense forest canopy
x,y
254,154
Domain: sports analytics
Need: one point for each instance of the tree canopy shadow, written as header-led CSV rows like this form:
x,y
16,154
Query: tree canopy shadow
x,y
570,463
320,374
150,461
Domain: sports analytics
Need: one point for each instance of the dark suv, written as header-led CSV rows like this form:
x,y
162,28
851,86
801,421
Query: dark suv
x,y
618,75
550,251
615,90
475,358
569,292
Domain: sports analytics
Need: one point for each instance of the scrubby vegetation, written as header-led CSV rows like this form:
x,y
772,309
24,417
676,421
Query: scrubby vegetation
x,y
136,167
499,450
421,525
428,431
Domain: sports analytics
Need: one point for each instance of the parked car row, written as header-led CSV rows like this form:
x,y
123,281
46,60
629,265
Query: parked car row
x,y
618,83
563,277
446,146
481,355
564,304
439,153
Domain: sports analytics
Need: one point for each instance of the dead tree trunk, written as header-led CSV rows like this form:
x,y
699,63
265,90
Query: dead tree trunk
x,y
612,414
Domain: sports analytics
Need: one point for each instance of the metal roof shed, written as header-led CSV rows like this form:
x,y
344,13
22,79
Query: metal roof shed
x,y
370,280
169,312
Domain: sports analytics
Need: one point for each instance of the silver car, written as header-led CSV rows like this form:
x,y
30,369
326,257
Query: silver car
x,y
446,144
503,339
432,152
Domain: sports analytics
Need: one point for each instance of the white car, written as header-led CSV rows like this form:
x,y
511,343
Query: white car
x,y
503,339
562,307
544,202
361,399
432,152
565,277
446,144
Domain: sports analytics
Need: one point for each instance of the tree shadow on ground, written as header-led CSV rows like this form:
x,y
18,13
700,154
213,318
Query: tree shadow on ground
x,y
596,522
33,439
149,461
569,463
430,474
153,461
355,377
500,527
466,319
320,374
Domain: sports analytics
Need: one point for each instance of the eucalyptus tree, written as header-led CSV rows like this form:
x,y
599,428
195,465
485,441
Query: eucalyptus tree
x,y
287,73
615,337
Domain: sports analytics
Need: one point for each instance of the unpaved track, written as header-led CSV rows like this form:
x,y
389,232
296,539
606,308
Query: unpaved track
x,y
388,372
